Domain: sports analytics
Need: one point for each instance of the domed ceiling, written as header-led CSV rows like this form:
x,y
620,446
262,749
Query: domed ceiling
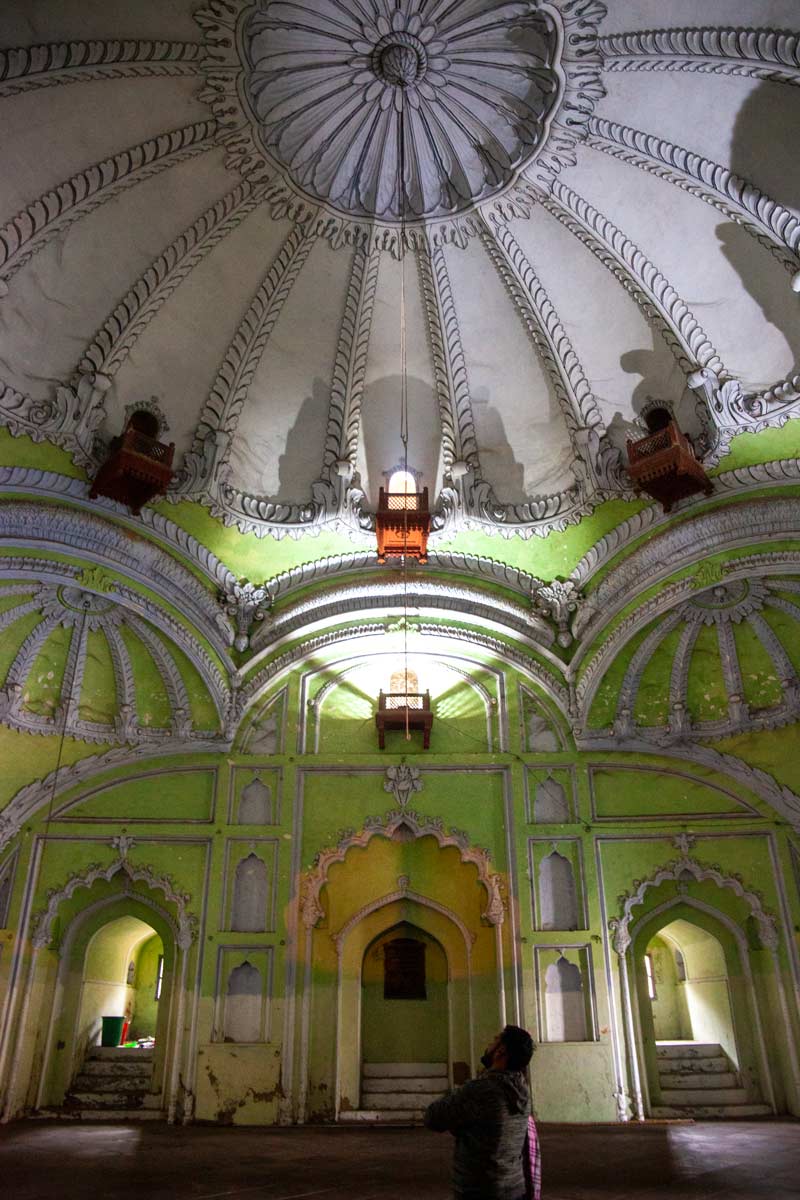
x,y
213,210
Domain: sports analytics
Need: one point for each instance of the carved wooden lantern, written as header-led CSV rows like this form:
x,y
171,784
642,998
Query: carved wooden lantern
x,y
663,464
398,711
138,467
403,523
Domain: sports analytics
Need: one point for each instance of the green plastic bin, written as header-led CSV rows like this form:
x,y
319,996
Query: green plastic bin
x,y
112,1031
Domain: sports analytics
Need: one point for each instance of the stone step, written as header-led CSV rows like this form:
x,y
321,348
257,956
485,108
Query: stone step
x,y
118,1053
689,1050
398,1070
111,1083
101,1069
383,1116
101,1114
705,1066
397,1100
698,1080
430,1085
727,1096
115,1100
713,1112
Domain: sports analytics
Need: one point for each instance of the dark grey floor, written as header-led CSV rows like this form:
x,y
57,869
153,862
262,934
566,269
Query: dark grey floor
x,y
44,1160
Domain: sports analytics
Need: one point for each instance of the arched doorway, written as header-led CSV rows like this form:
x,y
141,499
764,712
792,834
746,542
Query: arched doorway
x,y
118,959
702,1049
404,1022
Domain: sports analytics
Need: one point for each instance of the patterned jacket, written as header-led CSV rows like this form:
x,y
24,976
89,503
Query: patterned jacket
x,y
489,1119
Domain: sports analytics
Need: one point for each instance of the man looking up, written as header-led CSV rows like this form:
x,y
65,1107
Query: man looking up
x,y
489,1119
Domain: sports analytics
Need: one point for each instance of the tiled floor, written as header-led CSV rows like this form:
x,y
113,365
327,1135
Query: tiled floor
x,y
44,1160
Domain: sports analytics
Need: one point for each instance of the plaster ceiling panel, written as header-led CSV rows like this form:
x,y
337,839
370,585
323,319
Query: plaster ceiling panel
x,y
750,127
278,447
624,358
49,135
735,289
60,298
523,443
30,21
655,14
178,355
380,448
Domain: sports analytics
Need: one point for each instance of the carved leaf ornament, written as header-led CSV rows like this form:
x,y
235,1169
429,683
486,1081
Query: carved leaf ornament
x,y
333,86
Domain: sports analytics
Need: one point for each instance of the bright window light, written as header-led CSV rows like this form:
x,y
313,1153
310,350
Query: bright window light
x,y
402,483
651,977
159,977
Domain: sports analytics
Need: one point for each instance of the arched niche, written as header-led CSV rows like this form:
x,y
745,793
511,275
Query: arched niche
x,y
250,897
550,803
404,979
558,896
255,803
243,1007
62,991
565,1002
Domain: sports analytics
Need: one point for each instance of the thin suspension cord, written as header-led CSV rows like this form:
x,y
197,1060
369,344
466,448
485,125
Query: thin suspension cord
x,y
404,398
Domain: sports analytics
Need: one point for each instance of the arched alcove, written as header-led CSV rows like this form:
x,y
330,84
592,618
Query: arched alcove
x,y
550,804
558,897
250,894
565,1002
255,805
242,1021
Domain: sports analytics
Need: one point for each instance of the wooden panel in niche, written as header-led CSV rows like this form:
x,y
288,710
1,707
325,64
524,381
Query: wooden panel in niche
x,y
404,970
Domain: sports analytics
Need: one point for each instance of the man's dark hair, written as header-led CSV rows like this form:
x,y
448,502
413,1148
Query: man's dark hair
x,y
518,1045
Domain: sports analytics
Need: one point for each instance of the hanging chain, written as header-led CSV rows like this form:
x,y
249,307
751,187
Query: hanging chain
x,y
404,398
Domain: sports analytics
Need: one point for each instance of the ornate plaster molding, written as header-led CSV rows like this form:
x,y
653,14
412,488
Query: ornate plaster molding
x,y
682,870
119,333
369,75
53,212
772,225
86,535
84,612
770,54
24,68
24,804
402,782
402,823
186,921
655,295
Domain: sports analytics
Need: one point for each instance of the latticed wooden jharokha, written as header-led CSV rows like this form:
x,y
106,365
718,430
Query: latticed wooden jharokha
x,y
664,465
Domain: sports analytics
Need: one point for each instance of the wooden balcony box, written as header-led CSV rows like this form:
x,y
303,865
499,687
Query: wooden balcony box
x,y
398,711
403,523
138,468
664,465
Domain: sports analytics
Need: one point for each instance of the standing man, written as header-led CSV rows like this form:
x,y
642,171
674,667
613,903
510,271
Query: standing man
x,y
489,1119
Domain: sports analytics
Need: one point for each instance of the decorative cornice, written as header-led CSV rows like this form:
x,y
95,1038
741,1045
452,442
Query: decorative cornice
x,y
677,871
402,822
23,68
769,54
57,209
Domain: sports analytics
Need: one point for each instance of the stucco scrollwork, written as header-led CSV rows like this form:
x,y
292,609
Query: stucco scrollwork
x,y
685,870
186,921
402,782
401,823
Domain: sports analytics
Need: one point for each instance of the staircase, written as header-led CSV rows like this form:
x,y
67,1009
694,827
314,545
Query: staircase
x,y
697,1079
113,1085
397,1093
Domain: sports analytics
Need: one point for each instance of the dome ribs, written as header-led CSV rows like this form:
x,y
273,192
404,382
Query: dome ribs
x,y
350,363
654,294
229,391
731,672
640,659
25,68
459,442
550,341
26,233
114,341
772,225
770,54
173,682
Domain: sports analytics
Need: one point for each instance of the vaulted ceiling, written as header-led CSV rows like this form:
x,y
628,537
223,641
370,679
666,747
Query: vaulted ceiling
x,y
226,211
